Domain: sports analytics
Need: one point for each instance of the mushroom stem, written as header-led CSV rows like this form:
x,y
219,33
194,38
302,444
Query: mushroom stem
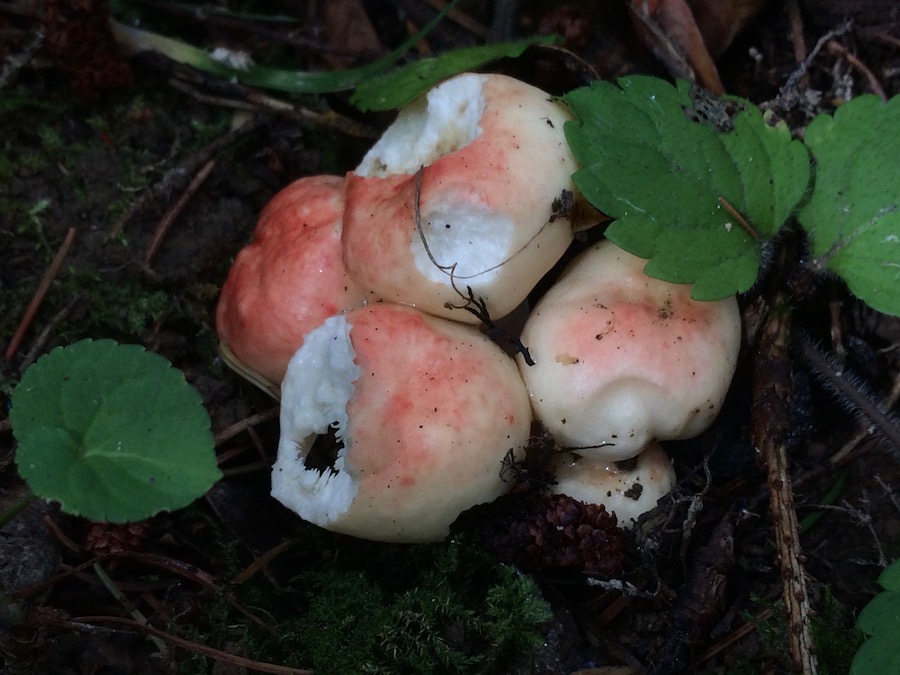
x,y
628,490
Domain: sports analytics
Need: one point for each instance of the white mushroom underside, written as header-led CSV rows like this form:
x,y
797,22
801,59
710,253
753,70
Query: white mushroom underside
x,y
432,126
314,397
464,241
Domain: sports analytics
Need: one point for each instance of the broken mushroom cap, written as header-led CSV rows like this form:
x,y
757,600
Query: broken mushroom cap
x,y
424,411
286,282
622,359
493,198
629,490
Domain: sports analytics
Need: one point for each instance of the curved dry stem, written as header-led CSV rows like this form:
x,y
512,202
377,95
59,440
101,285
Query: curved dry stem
x,y
476,306
450,270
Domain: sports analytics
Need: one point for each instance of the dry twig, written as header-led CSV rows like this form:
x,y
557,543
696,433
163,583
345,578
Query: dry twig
x,y
39,295
166,223
769,422
835,47
244,424
85,623
176,176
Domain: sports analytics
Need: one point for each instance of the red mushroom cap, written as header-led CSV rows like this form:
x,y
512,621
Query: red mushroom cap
x,y
287,281
426,410
492,198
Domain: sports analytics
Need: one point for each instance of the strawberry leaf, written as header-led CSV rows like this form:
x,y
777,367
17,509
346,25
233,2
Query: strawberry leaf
x,y
853,215
696,184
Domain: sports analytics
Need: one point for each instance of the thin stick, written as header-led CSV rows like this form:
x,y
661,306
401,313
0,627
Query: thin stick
x,y
788,98
797,39
175,177
836,47
841,455
38,345
39,295
166,223
741,632
85,623
736,214
117,593
236,428
460,18
263,561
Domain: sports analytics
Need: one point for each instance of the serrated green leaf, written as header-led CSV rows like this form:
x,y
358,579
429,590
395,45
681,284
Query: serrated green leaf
x,y
397,89
853,215
112,432
882,615
673,184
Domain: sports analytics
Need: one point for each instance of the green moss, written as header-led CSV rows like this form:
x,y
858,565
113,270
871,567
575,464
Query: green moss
x,y
455,611
118,307
379,609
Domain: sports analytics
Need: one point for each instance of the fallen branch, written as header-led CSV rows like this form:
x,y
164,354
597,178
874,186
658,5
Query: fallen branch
x,y
770,415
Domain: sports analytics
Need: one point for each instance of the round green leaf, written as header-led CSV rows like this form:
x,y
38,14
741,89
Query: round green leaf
x,y
112,432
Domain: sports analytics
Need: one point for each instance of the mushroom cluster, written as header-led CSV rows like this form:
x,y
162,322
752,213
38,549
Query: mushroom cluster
x,y
397,413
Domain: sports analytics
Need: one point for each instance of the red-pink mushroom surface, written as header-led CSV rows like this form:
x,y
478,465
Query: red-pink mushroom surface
x,y
622,359
287,281
493,198
424,410
628,491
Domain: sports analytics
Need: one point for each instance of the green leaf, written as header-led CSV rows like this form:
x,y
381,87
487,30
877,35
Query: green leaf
x,y
674,169
877,656
112,432
292,81
399,88
890,578
882,615
853,215
880,619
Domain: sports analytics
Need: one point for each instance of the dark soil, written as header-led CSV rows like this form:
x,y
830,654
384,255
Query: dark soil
x,y
106,146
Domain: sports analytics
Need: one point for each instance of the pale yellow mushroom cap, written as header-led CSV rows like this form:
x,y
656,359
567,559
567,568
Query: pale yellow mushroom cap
x,y
622,359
